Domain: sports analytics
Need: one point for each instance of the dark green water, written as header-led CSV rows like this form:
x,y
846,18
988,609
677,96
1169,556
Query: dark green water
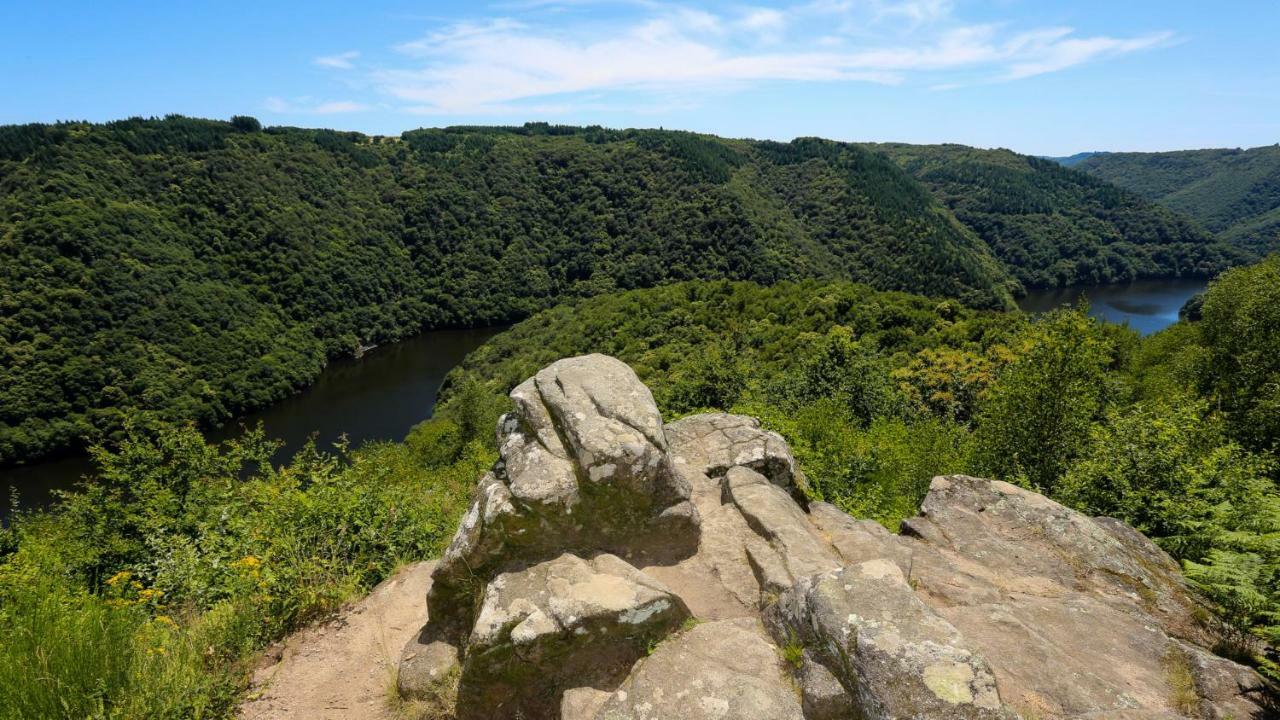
x,y
378,397
1146,305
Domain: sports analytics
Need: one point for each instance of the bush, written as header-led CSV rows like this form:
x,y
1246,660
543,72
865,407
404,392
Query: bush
x,y
1036,416
174,566
1241,328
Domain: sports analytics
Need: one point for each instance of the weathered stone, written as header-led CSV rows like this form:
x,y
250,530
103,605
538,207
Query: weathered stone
x,y
723,670
994,601
894,655
583,467
857,540
715,442
1077,616
544,628
582,703
429,669
821,694
770,511
609,424
1226,689
1016,533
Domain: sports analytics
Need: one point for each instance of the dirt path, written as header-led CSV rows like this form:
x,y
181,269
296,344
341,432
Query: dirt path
x,y
344,668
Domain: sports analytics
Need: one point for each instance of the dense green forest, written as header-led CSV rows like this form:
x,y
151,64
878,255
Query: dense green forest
x,y
1234,193
147,593
1051,226
197,269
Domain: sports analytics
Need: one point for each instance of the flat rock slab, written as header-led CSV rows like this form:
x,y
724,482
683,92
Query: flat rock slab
x,y
723,670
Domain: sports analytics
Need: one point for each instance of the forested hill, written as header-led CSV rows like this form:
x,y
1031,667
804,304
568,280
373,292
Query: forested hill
x,y
1053,226
195,269
1235,193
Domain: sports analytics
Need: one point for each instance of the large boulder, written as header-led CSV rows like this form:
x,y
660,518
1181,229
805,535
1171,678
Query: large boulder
x,y
583,467
1076,615
555,623
715,442
894,655
723,670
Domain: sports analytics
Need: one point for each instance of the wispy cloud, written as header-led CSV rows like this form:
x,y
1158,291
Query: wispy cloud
x,y
503,65
308,106
341,61
1064,51
768,24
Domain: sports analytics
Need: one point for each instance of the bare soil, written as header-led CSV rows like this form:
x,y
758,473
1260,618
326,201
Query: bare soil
x,y
345,667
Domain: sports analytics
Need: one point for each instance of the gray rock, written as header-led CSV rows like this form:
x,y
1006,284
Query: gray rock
x,y
715,442
429,670
995,601
723,670
821,694
1077,616
798,549
583,467
545,628
893,654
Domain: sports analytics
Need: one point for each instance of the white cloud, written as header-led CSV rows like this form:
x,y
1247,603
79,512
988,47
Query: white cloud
x,y
1064,52
504,65
919,11
341,61
276,105
766,23
308,106
339,106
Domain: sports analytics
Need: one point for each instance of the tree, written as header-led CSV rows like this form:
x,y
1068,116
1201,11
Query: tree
x,y
1241,328
245,123
1035,419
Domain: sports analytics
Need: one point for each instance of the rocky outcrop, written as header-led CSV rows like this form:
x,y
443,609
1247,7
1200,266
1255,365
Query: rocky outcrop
x,y
614,568
722,669
551,625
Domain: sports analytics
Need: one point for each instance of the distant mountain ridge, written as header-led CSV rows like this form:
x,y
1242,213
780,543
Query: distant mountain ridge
x,y
1052,226
197,269
1072,160
1232,192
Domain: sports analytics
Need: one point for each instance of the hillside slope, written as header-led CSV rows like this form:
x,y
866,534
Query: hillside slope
x,y
1232,192
194,269
1053,226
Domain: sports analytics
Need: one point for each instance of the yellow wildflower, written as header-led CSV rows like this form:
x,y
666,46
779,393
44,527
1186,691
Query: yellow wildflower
x,y
119,577
248,562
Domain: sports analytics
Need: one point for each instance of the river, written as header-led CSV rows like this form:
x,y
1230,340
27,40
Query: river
x,y
382,395
377,397
1147,306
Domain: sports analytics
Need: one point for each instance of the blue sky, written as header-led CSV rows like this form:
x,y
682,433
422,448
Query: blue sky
x,y
1035,76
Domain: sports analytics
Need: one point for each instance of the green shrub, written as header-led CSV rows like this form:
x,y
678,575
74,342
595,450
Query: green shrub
x,y
174,566
1036,416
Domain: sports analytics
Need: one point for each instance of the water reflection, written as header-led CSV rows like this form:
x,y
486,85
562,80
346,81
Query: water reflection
x,y
378,397
1146,305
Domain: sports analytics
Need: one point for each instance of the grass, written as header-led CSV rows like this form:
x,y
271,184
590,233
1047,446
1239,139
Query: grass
x,y
1182,683
70,654
148,595
793,650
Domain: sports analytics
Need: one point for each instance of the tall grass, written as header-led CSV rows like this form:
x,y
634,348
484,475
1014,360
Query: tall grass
x,y
70,654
